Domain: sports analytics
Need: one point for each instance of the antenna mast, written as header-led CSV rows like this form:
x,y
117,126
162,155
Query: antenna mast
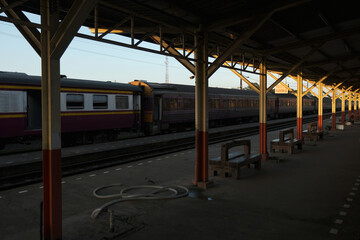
x,y
166,69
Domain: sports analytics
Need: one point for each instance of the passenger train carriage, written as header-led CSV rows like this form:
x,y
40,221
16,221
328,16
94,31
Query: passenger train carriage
x,y
170,106
88,108
94,111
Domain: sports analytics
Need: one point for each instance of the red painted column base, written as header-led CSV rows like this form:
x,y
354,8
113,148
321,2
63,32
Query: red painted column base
x,y
355,114
201,161
343,117
299,127
263,142
333,122
320,122
52,194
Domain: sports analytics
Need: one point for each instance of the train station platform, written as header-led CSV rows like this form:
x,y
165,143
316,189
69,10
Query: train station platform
x,y
311,194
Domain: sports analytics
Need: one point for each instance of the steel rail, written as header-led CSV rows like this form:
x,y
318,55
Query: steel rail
x,y
29,173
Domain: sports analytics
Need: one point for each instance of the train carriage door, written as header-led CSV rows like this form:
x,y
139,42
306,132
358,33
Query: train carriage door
x,y
157,109
137,108
34,109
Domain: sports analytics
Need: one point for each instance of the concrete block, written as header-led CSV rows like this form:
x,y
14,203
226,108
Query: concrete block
x,y
340,126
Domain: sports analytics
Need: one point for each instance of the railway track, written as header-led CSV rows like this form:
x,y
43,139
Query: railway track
x,y
29,173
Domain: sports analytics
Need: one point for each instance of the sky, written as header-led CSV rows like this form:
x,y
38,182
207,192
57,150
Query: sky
x,y
90,60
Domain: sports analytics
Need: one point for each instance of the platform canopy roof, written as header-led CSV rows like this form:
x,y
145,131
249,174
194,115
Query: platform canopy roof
x,y
319,37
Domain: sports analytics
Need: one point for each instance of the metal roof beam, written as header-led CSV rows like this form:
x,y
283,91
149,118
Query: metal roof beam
x,y
320,81
238,41
186,63
309,42
283,84
32,35
136,14
12,5
293,68
74,19
235,20
243,78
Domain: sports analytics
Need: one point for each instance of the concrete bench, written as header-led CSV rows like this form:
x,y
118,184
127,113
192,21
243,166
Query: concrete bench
x,y
230,163
312,132
285,142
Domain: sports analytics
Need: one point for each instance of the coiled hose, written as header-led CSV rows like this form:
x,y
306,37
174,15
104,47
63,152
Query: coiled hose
x,y
158,192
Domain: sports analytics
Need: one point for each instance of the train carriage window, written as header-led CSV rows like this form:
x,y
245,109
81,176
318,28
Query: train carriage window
x,y
232,103
122,102
100,101
74,101
188,103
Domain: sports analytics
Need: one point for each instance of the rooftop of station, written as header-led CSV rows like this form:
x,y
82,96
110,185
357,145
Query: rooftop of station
x,y
319,35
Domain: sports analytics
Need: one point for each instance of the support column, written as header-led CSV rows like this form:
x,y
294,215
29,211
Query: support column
x,y
320,107
51,124
333,110
350,105
358,104
201,112
299,104
262,112
355,108
343,116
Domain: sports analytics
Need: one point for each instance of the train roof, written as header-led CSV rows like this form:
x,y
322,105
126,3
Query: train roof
x,y
24,79
161,88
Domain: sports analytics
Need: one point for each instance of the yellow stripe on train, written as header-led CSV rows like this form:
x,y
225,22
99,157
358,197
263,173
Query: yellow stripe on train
x,y
20,115
97,113
65,89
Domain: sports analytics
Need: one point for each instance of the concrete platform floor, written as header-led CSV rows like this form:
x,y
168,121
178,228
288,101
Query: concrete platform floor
x,y
312,194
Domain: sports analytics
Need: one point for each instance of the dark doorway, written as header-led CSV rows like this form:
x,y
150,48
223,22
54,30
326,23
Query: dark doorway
x,y
34,109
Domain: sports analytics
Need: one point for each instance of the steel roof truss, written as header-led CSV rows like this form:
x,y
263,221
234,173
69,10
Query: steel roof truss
x,y
243,78
115,26
283,84
237,42
185,62
32,35
74,19
293,68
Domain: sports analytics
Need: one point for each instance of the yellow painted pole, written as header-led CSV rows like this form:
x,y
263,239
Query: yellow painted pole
x,y
299,104
262,112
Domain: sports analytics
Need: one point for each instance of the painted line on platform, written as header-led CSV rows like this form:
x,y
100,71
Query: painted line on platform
x,y
349,199
79,178
352,193
41,187
106,172
130,166
334,231
118,169
24,191
92,175
354,189
342,213
346,206
339,221
139,164
158,159
150,161
63,182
